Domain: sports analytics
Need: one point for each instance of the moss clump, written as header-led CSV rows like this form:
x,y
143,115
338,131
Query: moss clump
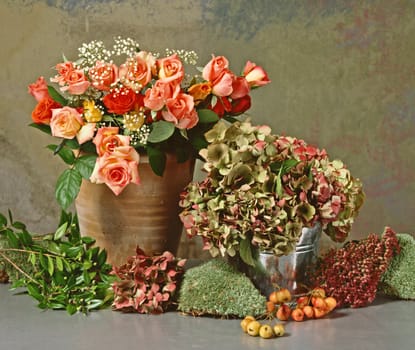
x,y
399,278
215,288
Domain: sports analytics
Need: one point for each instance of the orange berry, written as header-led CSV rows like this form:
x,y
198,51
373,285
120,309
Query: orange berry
x,y
283,312
318,292
308,311
303,301
331,303
319,303
273,297
297,315
319,313
270,306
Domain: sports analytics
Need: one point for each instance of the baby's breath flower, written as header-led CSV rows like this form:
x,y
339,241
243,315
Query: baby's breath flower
x,y
188,57
125,46
139,137
91,52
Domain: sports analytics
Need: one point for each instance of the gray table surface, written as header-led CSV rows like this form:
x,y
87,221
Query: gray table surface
x,y
385,324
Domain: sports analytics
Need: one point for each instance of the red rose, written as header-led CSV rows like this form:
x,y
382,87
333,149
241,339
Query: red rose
x,y
120,101
42,113
222,106
241,105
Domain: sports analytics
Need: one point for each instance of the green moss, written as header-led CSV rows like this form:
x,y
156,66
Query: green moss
x,y
399,278
216,288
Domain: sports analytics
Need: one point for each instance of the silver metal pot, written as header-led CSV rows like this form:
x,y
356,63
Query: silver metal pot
x,y
287,271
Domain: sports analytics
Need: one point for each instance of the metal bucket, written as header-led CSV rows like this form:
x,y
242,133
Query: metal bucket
x,y
288,271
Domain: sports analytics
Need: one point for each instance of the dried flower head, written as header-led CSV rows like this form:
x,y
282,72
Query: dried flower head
x,y
147,284
351,274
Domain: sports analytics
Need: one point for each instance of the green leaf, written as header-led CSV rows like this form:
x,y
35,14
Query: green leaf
x,y
72,143
34,291
42,127
60,232
207,116
51,267
71,309
157,160
85,165
245,252
56,96
67,187
12,238
10,216
19,225
59,263
65,153
162,130
94,304
32,259
43,261
278,186
102,257
25,238
88,240
3,220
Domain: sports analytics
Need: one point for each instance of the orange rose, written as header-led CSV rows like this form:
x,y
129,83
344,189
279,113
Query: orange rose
x,y
107,139
42,113
200,91
77,82
117,169
66,122
120,101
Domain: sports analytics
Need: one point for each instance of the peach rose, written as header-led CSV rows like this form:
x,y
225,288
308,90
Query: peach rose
x,y
86,133
222,86
65,122
215,67
137,72
255,75
117,169
181,112
63,70
42,113
103,75
77,82
107,139
170,69
39,89
156,97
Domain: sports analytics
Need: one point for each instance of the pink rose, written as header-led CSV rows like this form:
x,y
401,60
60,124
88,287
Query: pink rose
x,y
65,122
117,169
215,67
137,72
222,86
39,89
103,75
77,82
240,87
181,112
255,75
107,140
156,97
63,70
170,69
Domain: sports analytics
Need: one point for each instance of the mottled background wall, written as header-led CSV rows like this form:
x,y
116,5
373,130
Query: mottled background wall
x,y
343,78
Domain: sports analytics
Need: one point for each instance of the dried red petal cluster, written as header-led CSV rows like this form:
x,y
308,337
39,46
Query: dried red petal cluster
x,y
351,274
147,283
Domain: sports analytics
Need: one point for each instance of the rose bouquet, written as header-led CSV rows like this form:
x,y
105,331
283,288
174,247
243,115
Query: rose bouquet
x,y
106,114
262,189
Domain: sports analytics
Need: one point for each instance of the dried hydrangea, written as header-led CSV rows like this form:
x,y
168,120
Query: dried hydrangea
x,y
262,189
352,273
147,284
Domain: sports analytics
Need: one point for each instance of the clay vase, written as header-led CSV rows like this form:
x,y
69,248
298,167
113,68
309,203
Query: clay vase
x,y
146,215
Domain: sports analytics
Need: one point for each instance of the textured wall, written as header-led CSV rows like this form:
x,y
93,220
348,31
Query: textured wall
x,y
342,78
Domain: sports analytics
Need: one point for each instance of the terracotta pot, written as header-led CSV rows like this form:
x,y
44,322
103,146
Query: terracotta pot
x,y
144,215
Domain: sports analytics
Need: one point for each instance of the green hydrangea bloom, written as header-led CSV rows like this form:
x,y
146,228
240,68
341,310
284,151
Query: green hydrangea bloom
x,y
399,278
215,288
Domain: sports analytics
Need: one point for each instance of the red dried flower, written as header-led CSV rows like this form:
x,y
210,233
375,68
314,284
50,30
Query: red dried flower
x,y
351,274
147,283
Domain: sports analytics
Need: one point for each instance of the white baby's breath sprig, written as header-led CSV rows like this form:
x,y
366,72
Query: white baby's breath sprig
x,y
91,52
125,46
188,57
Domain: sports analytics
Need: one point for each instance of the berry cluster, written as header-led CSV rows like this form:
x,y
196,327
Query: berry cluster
x,y
314,304
351,274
